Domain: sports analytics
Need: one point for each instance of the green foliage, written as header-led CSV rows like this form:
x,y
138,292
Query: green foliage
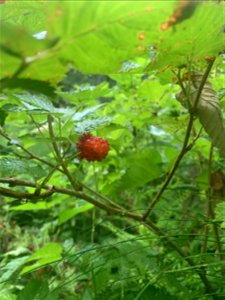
x,y
46,255
67,214
73,229
38,289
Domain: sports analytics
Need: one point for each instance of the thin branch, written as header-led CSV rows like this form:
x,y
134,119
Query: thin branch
x,y
185,148
54,189
200,271
22,195
58,155
57,167
173,169
112,210
210,209
103,197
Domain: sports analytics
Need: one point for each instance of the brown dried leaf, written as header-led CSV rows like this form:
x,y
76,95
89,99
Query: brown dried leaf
x,y
208,109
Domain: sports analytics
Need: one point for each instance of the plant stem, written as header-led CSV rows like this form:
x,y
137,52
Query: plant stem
x,y
210,209
58,155
173,169
112,210
185,147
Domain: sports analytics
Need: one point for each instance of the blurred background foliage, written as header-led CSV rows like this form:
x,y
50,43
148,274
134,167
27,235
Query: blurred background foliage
x,y
108,67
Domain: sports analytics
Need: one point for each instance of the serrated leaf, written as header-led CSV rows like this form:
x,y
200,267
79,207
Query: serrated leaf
x,y
10,166
89,125
37,104
80,115
142,167
32,102
208,110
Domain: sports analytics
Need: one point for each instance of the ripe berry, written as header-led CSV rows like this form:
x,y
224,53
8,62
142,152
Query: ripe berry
x,y
92,148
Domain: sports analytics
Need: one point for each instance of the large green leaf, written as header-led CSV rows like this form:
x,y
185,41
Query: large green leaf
x,y
108,32
111,33
99,42
192,40
142,167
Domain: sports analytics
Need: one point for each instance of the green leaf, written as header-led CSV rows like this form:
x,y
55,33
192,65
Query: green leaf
x,y
108,33
42,205
38,290
68,214
87,92
220,214
89,125
34,102
50,253
29,14
142,167
195,38
7,296
11,167
80,115
12,266
38,104
151,89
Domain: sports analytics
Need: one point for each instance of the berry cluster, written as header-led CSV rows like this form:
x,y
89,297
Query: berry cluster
x,y
92,148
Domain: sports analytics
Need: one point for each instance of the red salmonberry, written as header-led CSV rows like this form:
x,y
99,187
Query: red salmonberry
x,y
92,148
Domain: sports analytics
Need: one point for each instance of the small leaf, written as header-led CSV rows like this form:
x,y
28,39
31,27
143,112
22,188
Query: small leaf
x,y
42,205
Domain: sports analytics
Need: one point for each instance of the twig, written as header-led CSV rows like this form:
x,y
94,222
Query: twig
x,y
185,148
200,271
58,155
54,189
173,169
112,210
210,209
30,154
